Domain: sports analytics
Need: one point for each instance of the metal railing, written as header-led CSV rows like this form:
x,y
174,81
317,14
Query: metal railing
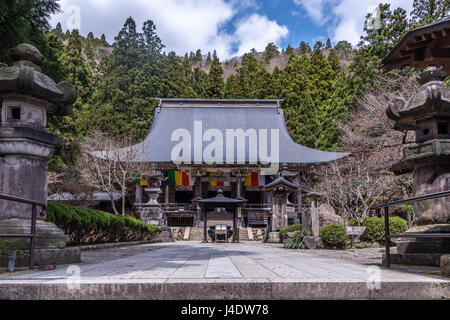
x,y
388,236
31,235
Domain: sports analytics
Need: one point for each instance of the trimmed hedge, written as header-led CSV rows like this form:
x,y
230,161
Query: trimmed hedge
x,y
293,228
375,228
334,236
87,226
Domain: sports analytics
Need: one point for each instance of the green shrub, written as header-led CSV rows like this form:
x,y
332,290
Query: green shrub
x,y
334,236
397,225
296,241
408,208
375,228
87,226
293,228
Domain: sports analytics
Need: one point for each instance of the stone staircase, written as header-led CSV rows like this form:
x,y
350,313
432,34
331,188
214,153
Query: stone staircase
x,y
196,234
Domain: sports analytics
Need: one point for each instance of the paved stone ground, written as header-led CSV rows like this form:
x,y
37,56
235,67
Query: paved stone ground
x,y
192,270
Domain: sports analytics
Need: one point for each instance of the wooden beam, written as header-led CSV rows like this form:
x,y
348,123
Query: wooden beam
x,y
443,53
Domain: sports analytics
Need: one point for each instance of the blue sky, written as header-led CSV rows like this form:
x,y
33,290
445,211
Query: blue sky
x,y
232,27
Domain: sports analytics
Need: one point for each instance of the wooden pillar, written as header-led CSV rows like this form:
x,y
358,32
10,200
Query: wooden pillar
x,y
235,228
205,225
299,204
166,194
197,195
239,188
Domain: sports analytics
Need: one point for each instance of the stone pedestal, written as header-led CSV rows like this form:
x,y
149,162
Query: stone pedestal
x,y
151,211
274,237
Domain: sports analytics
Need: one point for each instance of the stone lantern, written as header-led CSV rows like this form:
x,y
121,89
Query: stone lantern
x,y
151,212
427,113
26,97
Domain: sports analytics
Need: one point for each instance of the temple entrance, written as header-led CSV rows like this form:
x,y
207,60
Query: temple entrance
x,y
220,206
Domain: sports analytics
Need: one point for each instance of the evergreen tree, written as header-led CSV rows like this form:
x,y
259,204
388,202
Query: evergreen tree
x,y
214,87
198,56
128,38
270,52
375,44
76,70
289,50
25,21
58,30
103,40
152,41
428,11
343,46
304,48
199,81
208,58
328,45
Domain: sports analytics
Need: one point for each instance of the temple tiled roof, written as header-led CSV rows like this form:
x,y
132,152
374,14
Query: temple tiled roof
x,y
222,115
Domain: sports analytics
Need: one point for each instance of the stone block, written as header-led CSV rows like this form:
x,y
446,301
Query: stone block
x,y
445,265
43,257
274,237
312,243
425,245
415,259
48,235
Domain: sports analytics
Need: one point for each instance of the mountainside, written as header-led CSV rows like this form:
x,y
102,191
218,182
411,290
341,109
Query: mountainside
x,y
230,66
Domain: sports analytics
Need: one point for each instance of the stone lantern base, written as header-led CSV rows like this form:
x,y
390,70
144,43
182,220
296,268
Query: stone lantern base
x,y
422,251
50,244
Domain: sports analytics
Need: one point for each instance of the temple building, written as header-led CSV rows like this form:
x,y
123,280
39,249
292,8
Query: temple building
x,y
197,147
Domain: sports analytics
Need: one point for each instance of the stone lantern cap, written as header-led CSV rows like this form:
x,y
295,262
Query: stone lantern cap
x,y
24,77
431,100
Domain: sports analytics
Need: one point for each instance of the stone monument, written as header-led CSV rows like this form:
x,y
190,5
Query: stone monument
x,y
27,96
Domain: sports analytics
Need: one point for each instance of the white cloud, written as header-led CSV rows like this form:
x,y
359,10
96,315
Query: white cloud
x,y
256,32
345,18
183,25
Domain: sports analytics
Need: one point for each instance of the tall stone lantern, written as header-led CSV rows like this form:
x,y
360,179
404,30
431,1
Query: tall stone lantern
x,y
26,97
427,113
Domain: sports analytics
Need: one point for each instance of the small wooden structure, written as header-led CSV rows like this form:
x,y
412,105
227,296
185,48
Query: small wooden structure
x,y
279,190
220,201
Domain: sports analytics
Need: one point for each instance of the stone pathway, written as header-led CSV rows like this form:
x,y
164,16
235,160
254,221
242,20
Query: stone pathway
x,y
164,270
